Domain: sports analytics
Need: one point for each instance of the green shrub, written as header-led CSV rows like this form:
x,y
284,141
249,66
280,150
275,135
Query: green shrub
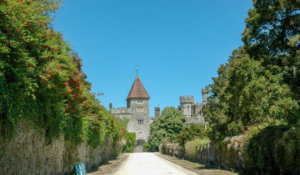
x,y
287,152
130,142
273,150
190,132
147,146
193,147
167,126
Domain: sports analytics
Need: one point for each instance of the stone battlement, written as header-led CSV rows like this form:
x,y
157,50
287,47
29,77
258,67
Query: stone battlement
x,y
122,110
187,99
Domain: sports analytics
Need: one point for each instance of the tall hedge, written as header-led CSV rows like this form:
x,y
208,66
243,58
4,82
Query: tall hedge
x,y
41,78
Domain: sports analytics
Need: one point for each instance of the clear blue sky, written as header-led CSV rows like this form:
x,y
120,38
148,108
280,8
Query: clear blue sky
x,y
178,45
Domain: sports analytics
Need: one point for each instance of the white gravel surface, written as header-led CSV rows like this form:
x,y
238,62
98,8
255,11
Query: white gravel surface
x,y
149,164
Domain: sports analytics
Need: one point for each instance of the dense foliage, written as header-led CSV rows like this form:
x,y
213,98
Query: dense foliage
x,y
147,146
247,93
260,84
275,150
130,142
41,78
190,132
167,126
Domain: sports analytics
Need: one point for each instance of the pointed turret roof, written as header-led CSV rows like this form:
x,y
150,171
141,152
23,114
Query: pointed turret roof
x,y
137,90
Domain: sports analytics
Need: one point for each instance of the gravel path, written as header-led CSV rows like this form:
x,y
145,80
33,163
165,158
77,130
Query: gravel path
x,y
149,164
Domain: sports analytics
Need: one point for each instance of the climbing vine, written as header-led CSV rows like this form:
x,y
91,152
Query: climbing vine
x,y
41,78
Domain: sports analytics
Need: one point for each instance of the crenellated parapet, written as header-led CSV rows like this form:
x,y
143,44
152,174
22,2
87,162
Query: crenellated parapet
x,y
122,110
187,99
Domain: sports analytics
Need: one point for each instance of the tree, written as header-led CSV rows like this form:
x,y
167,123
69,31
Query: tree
x,y
167,126
247,93
257,90
272,36
190,132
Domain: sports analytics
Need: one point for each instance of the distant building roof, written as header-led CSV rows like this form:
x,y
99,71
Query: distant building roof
x,y
137,90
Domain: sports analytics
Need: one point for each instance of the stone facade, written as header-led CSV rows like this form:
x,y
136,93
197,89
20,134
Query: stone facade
x,y
137,111
192,110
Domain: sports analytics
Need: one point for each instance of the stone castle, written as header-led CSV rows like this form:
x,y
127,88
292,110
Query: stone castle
x,y
193,111
137,111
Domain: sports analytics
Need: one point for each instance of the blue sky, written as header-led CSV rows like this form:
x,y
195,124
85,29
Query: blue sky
x,y
178,45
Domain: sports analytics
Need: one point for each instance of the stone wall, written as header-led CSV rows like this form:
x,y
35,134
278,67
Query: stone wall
x,y
228,154
27,153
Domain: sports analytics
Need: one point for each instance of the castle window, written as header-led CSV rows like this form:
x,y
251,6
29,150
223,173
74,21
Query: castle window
x,y
140,121
139,101
140,109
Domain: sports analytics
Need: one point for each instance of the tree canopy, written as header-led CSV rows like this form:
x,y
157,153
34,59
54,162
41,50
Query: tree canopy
x,y
190,132
167,126
260,81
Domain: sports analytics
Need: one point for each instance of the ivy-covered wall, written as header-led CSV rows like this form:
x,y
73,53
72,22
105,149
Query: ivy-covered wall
x,y
228,154
27,153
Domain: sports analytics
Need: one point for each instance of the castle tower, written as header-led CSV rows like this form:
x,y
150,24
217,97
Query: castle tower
x,y
194,111
186,105
138,102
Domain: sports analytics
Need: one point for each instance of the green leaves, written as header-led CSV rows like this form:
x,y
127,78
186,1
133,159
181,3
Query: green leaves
x,y
190,132
41,78
167,126
246,93
130,142
257,92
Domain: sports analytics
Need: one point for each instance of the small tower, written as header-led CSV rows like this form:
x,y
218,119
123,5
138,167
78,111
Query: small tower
x,y
186,103
157,111
204,94
138,103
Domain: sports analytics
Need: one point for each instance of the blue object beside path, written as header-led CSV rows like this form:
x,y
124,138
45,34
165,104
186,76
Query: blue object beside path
x,y
79,169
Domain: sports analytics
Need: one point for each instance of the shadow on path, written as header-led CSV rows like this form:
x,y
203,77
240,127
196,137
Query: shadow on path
x,y
196,167
110,166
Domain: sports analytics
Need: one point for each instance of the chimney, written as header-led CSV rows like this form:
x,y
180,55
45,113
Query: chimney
x,y
204,94
157,111
110,106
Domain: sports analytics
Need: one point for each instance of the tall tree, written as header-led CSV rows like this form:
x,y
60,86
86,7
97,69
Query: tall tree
x,y
272,35
260,82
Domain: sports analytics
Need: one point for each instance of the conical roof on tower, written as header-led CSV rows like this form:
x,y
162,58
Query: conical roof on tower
x,y
137,90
